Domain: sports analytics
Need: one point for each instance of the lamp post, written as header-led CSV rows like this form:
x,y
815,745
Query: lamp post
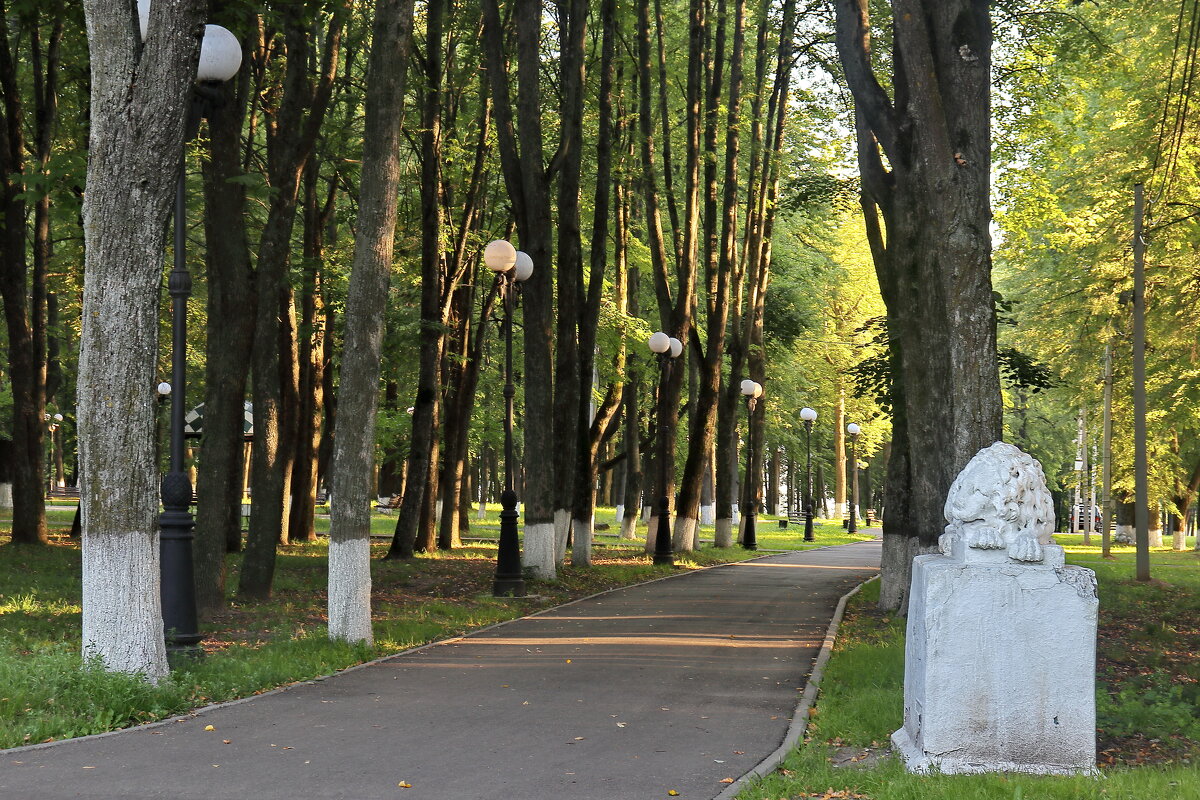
x,y
511,268
809,416
220,58
667,348
853,430
751,390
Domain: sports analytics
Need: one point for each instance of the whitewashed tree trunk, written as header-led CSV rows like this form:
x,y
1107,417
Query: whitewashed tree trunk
x,y
584,531
629,526
6,500
540,551
139,98
684,534
724,532
358,395
562,530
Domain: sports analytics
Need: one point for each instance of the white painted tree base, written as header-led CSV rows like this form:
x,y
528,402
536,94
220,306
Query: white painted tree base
x,y
724,533
651,534
581,542
684,536
708,514
6,501
538,558
349,587
122,613
629,527
562,530
620,513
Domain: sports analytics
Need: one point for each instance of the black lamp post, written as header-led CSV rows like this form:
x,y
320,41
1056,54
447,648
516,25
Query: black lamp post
x,y
220,57
808,415
511,267
667,348
751,390
853,430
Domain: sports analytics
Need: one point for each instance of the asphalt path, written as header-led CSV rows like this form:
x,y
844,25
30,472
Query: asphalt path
x,y
678,684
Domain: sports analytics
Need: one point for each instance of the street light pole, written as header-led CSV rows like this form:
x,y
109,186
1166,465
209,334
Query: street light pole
x,y
751,390
853,430
667,348
510,267
808,415
220,58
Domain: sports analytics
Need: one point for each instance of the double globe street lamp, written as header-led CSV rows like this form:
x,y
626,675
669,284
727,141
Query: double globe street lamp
x,y
512,267
220,59
667,348
751,390
853,429
808,416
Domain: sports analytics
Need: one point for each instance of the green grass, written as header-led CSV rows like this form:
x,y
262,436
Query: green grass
x,y
46,692
1144,703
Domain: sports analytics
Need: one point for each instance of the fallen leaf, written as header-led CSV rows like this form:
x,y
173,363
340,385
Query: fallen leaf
x,y
209,728
725,780
404,785
673,793
226,741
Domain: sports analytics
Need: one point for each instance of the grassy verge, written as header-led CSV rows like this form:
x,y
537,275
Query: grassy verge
x,y
47,693
1149,725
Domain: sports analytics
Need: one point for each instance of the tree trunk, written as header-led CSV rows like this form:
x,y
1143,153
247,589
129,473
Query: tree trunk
x,y
311,361
290,143
927,215
230,329
413,520
354,457
526,179
25,358
572,378
139,97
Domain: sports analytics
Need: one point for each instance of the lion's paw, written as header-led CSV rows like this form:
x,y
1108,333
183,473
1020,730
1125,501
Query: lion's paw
x,y
1025,548
985,538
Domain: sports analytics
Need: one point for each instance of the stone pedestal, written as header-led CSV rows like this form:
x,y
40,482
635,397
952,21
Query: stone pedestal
x,y
999,663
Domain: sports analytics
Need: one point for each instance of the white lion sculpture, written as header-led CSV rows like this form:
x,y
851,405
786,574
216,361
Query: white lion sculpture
x,y
1000,502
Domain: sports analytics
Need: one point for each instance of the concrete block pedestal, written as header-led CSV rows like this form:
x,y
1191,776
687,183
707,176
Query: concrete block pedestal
x,y
1000,664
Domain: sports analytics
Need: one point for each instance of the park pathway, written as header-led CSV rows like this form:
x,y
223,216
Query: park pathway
x,y
671,685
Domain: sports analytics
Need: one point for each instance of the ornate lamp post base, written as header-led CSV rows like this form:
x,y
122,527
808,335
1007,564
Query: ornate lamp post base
x,y
176,527
509,580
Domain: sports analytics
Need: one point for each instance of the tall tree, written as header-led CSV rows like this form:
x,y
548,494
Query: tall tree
x,y
291,135
23,310
354,450
140,93
230,329
924,154
520,140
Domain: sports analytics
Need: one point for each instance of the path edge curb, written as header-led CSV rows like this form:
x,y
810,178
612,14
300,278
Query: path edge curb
x,y
799,723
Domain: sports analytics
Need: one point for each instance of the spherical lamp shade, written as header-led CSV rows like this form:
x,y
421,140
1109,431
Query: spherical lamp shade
x,y
853,429
58,417
524,266
807,414
676,347
220,55
748,388
659,343
500,256
758,390
164,388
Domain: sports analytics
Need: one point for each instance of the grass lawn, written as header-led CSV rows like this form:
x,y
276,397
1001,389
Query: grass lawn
x,y
250,648
1148,703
